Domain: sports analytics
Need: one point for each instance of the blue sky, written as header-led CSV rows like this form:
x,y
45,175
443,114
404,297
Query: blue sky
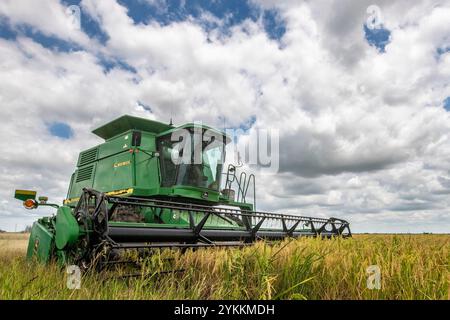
x,y
60,130
447,104
377,37
230,13
362,114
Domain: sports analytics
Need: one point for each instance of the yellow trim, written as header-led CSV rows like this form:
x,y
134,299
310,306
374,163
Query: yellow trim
x,y
120,192
123,192
26,192
71,200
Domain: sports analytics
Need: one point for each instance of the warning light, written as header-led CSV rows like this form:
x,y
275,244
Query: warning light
x,y
30,204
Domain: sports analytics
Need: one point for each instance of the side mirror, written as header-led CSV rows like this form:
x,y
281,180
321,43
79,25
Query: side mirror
x,y
25,195
29,199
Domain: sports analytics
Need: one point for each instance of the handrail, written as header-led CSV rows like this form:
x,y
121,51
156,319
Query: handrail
x,y
254,189
243,175
243,184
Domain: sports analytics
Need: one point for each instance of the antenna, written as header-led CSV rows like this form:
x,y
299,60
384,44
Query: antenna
x,y
171,115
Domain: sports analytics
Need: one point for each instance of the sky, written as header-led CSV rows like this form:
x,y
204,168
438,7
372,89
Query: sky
x,y
359,92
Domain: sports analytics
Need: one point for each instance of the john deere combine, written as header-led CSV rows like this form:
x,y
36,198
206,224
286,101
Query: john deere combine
x,y
153,185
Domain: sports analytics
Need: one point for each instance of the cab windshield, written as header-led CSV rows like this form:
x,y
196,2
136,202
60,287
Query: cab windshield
x,y
191,162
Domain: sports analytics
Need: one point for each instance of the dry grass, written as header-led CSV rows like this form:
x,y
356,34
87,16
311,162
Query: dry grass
x,y
15,242
412,267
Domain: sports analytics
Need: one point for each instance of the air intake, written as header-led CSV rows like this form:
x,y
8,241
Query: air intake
x,y
87,157
85,173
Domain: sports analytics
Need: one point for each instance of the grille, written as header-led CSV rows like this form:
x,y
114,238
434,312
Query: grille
x,y
85,173
88,157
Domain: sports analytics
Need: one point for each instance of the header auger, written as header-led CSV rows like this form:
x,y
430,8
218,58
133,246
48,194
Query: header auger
x,y
152,185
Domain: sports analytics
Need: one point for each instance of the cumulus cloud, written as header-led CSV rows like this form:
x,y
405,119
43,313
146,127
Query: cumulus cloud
x,y
49,17
363,134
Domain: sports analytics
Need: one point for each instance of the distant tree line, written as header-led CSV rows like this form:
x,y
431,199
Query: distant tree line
x,y
26,230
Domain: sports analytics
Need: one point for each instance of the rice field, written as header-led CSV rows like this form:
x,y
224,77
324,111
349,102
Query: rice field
x,y
410,267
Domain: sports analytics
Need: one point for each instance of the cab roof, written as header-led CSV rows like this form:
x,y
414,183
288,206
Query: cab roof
x,y
126,123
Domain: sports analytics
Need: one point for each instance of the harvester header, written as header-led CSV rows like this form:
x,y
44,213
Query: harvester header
x,y
154,185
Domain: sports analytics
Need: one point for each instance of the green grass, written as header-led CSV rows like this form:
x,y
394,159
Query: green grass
x,y
412,267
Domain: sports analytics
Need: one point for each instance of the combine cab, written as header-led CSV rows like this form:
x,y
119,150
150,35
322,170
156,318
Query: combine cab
x,y
152,185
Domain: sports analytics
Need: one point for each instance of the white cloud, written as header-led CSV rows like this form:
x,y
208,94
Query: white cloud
x,y
49,17
363,134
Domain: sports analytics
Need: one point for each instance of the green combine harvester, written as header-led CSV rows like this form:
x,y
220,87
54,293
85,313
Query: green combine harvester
x,y
152,185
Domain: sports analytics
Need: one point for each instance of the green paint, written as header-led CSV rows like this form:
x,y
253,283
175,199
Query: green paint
x,y
67,229
117,164
41,242
24,195
135,160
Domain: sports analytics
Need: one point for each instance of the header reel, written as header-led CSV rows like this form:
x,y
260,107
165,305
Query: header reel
x,y
198,226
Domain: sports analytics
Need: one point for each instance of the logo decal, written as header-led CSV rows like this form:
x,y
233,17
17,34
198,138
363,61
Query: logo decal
x,y
121,164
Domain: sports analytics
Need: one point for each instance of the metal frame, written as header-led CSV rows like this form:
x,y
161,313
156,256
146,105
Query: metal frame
x,y
92,211
242,184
